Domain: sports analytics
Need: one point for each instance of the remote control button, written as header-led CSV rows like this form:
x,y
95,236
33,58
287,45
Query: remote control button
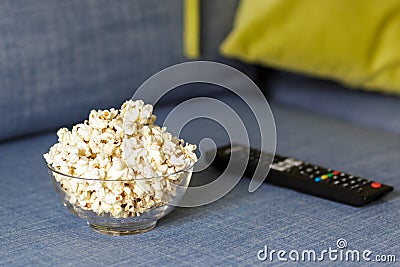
x,y
324,177
297,163
376,185
318,179
351,179
365,182
354,187
330,174
336,172
278,168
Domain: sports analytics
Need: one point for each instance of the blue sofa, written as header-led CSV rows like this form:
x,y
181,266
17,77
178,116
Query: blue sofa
x,y
59,59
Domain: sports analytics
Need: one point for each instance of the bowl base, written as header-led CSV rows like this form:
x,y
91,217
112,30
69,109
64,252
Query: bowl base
x,y
125,230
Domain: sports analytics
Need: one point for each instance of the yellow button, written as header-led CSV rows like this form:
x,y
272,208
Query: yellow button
x,y
324,177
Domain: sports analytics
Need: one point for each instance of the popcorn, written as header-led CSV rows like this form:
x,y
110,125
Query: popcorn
x,y
117,151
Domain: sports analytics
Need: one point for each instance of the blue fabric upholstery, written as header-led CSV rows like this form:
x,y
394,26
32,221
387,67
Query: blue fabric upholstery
x,y
36,230
58,59
329,98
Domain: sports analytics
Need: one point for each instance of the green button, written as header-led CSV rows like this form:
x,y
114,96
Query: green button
x,y
330,174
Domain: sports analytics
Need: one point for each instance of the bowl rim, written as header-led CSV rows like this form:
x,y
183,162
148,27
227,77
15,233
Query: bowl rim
x,y
187,168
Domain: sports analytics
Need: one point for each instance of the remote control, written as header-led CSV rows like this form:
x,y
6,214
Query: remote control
x,y
306,177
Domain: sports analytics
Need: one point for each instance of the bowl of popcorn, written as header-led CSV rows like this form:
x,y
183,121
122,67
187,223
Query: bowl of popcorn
x,y
119,171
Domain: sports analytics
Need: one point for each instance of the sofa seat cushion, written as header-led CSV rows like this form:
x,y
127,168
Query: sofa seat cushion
x,y
37,230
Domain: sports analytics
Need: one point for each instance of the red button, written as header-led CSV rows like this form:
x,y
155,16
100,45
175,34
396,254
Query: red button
x,y
336,172
376,185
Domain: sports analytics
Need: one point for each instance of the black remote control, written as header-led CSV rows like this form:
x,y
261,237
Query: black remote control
x,y
306,177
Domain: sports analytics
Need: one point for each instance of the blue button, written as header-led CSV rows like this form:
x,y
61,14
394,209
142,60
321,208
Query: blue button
x,y
318,179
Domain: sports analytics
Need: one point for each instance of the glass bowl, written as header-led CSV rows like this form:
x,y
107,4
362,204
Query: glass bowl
x,y
121,207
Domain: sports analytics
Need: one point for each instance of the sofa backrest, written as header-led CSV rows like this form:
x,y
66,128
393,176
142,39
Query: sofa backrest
x,y
59,59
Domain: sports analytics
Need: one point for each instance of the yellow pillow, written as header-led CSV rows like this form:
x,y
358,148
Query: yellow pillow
x,y
354,41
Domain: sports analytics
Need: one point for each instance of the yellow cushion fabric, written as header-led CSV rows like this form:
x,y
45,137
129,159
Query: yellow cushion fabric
x,y
191,29
356,42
